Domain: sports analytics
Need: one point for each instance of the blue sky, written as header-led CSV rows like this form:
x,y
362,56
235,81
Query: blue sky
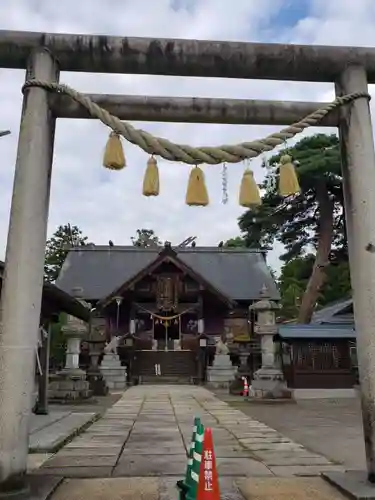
x,y
109,205
290,13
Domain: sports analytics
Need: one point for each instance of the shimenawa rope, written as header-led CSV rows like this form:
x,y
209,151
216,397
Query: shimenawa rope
x,y
188,154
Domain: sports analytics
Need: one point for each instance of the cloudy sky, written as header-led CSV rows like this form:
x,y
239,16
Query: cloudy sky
x,y
109,205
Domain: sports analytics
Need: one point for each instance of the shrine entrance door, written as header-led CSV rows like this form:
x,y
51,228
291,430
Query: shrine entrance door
x,y
167,334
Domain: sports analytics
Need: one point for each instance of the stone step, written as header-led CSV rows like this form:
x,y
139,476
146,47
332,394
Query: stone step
x,y
174,365
169,362
165,373
168,367
167,380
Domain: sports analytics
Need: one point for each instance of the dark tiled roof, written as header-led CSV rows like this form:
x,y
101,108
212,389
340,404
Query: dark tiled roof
x,y
317,331
337,312
99,270
57,300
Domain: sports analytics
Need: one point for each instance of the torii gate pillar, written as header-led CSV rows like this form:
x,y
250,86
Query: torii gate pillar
x,y
358,168
23,280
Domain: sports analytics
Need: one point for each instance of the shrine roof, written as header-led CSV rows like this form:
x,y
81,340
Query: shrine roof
x,y
316,331
56,300
237,273
340,311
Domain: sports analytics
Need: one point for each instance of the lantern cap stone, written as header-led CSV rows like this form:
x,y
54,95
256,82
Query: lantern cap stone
x,y
265,303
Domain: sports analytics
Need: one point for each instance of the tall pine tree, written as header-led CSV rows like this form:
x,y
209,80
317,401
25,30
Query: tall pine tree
x,y
310,221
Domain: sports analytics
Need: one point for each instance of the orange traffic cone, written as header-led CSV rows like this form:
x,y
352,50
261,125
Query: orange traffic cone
x,y
245,391
208,486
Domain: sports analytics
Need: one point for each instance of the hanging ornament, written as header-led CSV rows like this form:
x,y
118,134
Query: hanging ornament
x,y
114,157
196,194
271,181
249,192
288,180
151,179
224,177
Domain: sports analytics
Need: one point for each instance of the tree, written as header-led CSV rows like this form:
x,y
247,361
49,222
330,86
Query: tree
x,y
237,242
254,231
313,219
295,275
146,238
57,248
337,285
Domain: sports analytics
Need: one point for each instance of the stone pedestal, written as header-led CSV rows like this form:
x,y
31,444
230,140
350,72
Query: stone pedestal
x,y
113,373
269,383
66,387
222,372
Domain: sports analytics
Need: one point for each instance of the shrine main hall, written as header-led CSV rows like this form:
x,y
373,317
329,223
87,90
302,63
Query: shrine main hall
x,y
168,297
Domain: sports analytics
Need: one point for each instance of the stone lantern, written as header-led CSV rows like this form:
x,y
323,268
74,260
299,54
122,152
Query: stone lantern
x,y
70,383
268,382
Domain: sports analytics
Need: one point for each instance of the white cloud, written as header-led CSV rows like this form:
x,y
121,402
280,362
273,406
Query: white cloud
x,y
109,205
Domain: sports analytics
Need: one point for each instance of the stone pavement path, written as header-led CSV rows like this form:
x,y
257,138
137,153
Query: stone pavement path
x,y
146,434
49,432
331,427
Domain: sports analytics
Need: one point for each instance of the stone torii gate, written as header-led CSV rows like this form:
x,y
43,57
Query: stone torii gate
x,y
44,55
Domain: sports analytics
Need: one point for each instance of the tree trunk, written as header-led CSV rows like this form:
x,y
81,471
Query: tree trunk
x,y
318,274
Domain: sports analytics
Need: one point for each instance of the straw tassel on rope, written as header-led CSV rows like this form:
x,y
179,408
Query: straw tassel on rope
x,y
114,157
196,194
288,180
151,184
249,191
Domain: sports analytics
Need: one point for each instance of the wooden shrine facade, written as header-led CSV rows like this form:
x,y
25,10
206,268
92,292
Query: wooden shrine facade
x,y
169,296
167,305
318,356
